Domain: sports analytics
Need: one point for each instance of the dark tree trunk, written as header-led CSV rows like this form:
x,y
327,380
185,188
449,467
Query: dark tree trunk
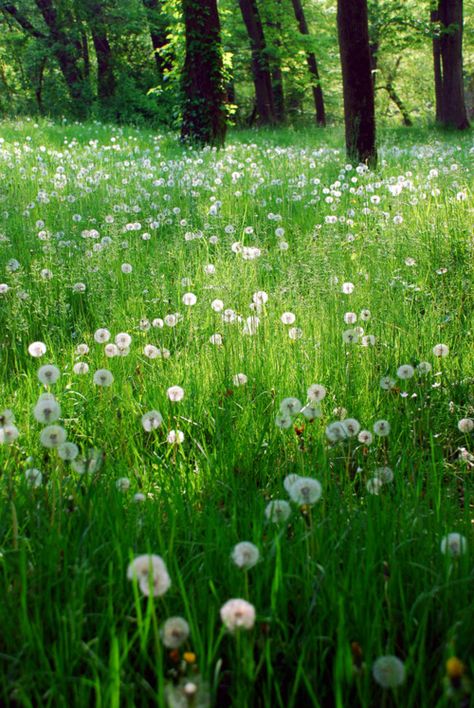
x,y
275,66
204,113
359,110
158,24
312,66
105,67
67,51
260,66
452,109
438,77
85,54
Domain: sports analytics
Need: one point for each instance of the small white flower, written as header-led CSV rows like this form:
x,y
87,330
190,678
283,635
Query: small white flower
x,y
365,437
288,318
316,392
311,412
466,425
111,350
305,490
385,474
34,477
374,485
68,451
387,383
441,350
453,545
289,480
174,632
217,305
335,432
290,406
424,367
37,349
175,437
189,299
175,393
239,380
295,333
151,420
388,671
123,340
103,377
406,371
382,428
102,335
238,614
47,410
283,421
278,511
347,288
123,484
8,434
216,339
48,374
245,555
151,573
351,426
53,436
81,368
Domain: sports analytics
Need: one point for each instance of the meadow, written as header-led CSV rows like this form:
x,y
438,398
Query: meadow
x,y
263,345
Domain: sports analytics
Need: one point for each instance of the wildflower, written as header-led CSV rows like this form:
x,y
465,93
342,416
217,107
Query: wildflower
x,y
150,351
388,671
174,632
347,288
102,335
8,434
350,336
111,350
123,484
374,485
189,299
351,426
175,393
82,349
48,374
288,318
289,480
365,437
311,412
37,349
368,340
175,437
305,490
283,421
365,315
290,406
405,372
239,380
238,614
316,392
295,333
139,497
68,451
382,428
385,474
350,318
34,477
216,339
278,511
79,288
335,432
453,545
81,368
466,425
424,367
53,436
387,383
103,377
6,417
441,350
151,574
126,268
123,340
245,555
217,305
47,410
151,420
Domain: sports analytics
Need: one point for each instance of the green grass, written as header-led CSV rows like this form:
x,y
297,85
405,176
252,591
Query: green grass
x,y
355,567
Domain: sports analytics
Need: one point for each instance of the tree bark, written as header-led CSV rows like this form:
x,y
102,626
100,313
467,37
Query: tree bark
x,y
438,77
452,110
264,97
204,114
312,66
158,24
358,88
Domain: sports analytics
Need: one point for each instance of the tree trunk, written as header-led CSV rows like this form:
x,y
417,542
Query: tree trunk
x,y
274,26
67,51
359,111
105,71
158,24
260,66
453,108
438,77
204,113
312,66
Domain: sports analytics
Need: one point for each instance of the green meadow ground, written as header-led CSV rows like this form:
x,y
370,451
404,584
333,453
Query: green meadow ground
x,y
355,576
